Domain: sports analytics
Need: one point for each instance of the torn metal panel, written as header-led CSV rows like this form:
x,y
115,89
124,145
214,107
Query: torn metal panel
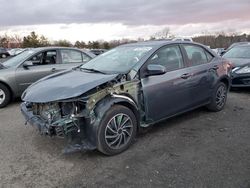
x,y
76,118
128,88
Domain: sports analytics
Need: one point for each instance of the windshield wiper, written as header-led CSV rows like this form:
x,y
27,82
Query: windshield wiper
x,y
93,70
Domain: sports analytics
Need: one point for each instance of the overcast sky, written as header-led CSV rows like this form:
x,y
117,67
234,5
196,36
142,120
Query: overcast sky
x,y
115,19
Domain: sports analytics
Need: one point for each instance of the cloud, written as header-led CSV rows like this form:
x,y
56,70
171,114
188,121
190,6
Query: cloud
x,y
115,19
128,12
112,31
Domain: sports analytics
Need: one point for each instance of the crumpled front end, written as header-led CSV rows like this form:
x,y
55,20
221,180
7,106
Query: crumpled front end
x,y
77,119
61,119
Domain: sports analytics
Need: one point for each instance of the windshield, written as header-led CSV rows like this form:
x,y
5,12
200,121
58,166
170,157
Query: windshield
x,y
14,61
118,60
238,52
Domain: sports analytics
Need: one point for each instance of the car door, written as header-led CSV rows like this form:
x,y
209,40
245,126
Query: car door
x,y
202,71
40,65
167,94
70,58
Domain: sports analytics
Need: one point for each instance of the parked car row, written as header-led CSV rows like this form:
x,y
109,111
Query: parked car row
x,y
102,102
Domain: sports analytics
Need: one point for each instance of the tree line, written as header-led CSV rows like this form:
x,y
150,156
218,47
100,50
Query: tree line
x,y
34,40
221,40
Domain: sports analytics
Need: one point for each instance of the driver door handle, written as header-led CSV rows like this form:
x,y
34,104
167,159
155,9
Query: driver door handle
x,y
185,76
53,70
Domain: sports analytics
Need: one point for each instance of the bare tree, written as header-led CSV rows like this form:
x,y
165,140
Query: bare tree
x,y
163,34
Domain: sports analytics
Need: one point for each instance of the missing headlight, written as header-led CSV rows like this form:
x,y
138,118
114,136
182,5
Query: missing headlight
x,y
69,108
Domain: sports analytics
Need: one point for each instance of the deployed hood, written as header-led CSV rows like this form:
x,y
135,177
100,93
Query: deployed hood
x,y
64,85
238,62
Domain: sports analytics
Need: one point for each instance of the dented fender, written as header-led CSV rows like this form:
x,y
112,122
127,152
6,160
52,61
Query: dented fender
x,y
102,107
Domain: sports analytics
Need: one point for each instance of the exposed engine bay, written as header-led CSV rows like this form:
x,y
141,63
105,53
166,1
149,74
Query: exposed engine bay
x,y
77,119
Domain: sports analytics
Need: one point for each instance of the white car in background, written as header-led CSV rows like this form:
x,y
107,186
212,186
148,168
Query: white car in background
x,y
16,51
188,39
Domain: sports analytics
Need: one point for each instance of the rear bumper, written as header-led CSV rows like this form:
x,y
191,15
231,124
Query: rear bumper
x,y
240,80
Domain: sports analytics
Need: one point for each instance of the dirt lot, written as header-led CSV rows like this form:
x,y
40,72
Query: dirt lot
x,y
198,149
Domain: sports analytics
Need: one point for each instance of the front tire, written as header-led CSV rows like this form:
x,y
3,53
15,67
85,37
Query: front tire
x,y
4,96
219,97
117,130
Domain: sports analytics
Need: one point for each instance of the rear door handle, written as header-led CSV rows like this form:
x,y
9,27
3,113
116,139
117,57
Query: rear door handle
x,y
53,70
185,76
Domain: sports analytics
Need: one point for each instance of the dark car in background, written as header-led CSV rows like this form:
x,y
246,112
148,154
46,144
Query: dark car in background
x,y
239,55
4,53
18,72
237,44
103,103
98,51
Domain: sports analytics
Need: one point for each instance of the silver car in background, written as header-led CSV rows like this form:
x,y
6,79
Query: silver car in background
x,y
17,73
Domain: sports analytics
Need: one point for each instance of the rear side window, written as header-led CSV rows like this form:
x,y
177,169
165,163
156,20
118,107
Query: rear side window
x,y
197,55
169,56
71,56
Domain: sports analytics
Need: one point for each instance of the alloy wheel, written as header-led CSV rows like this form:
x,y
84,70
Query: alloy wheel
x,y
118,131
221,96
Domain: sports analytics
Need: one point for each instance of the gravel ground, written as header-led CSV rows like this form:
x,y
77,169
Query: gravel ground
x,y
197,149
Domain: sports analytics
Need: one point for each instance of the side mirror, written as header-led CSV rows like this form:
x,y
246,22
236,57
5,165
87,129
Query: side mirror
x,y
27,64
155,69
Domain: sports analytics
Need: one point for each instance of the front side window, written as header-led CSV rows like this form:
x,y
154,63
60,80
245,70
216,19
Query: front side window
x,y
72,56
44,58
196,55
169,57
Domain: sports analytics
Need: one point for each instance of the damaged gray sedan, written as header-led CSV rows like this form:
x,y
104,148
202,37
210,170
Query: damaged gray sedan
x,y
103,103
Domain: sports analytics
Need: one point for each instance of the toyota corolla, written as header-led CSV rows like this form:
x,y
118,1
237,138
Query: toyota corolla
x,y
104,103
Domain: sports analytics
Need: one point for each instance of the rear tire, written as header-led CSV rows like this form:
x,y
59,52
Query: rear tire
x,y
117,130
219,97
5,96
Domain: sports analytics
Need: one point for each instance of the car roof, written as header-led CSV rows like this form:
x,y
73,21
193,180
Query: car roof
x,y
53,47
159,43
66,48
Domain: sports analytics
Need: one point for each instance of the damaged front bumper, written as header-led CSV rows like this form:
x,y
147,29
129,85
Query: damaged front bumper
x,y
241,80
69,128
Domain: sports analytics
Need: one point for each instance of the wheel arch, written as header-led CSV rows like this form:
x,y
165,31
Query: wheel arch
x,y
226,80
9,88
104,105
